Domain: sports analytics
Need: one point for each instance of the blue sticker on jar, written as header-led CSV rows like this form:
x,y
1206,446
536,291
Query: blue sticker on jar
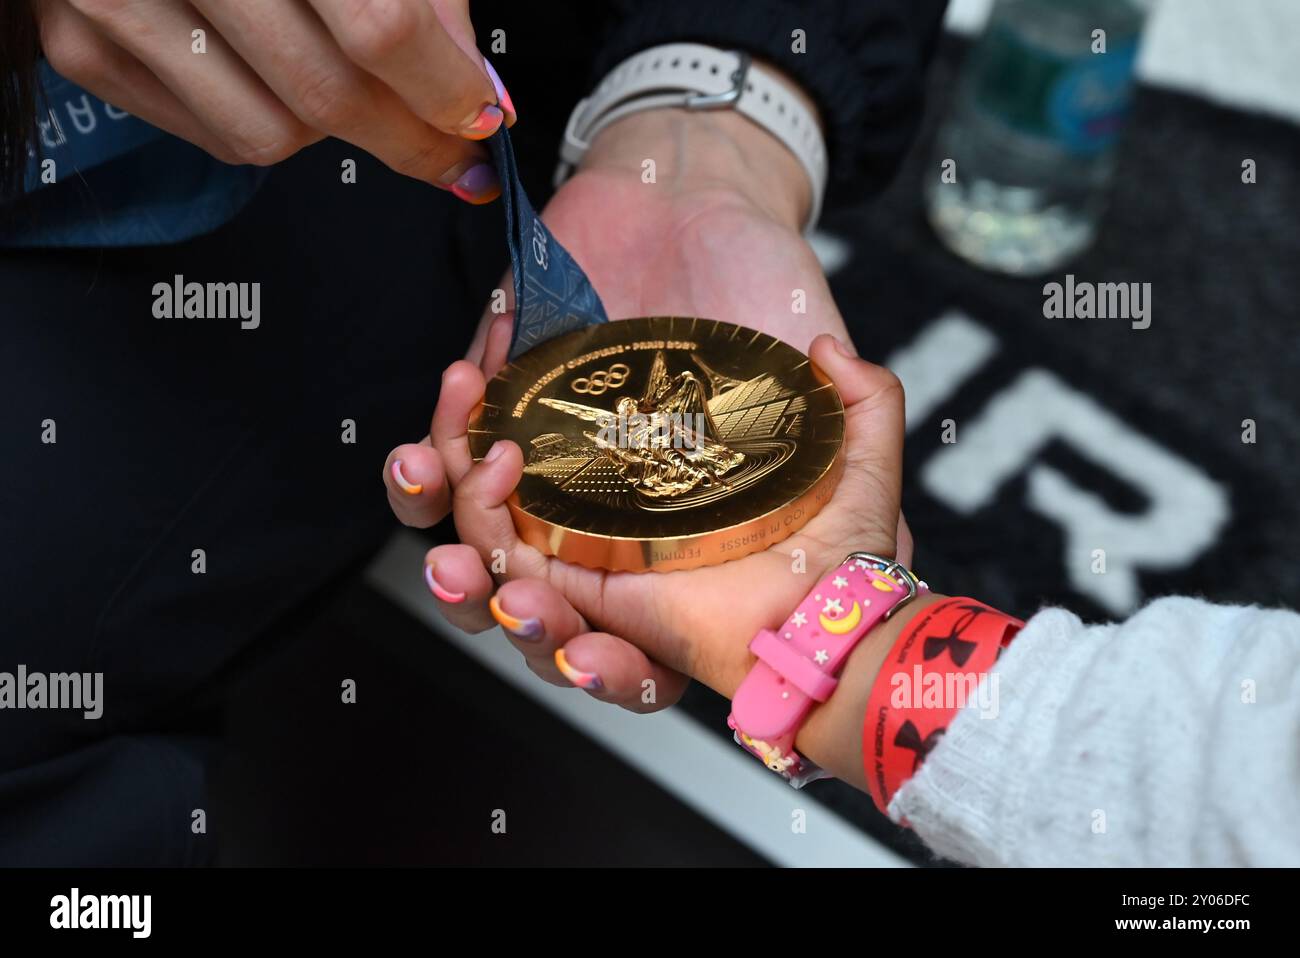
x,y
1089,104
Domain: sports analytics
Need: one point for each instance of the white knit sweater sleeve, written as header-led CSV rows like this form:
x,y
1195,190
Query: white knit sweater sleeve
x,y
1169,739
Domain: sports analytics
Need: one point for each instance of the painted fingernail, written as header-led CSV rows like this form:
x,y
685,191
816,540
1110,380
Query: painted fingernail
x,y
583,680
495,452
503,95
438,590
477,185
529,630
410,488
486,122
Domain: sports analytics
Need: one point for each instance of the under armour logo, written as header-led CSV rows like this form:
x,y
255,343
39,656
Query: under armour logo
x,y
958,648
909,738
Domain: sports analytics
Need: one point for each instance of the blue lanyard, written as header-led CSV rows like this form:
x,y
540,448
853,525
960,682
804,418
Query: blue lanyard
x,y
552,293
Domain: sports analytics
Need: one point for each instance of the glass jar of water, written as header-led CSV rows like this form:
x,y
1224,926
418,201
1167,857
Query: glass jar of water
x,y
1026,155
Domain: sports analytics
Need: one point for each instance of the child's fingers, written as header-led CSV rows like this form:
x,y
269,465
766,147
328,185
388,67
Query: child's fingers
x,y
556,643
496,346
500,312
482,517
417,485
870,491
462,390
873,424
616,671
461,585
537,620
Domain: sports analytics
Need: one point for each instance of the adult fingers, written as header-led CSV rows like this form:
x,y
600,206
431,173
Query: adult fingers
x,y
405,44
77,50
216,85
454,15
296,57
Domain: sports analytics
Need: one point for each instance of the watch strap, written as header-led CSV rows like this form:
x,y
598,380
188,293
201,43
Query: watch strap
x,y
799,662
694,76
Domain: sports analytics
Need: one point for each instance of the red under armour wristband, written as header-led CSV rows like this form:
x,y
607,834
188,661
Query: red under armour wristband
x,y
934,669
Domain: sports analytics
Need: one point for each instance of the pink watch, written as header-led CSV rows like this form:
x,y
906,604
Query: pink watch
x,y
798,664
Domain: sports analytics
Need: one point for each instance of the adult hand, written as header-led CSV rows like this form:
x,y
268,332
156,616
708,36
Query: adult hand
x,y
401,79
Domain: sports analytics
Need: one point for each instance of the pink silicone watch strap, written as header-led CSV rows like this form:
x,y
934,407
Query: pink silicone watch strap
x,y
798,663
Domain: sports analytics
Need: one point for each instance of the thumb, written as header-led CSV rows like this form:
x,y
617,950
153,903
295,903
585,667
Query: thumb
x,y
455,19
873,428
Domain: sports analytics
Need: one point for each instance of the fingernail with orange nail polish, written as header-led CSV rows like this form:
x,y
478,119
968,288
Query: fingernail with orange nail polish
x,y
438,590
410,488
503,95
484,124
528,630
589,681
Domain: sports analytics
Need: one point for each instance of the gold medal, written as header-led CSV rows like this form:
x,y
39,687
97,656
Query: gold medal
x,y
664,443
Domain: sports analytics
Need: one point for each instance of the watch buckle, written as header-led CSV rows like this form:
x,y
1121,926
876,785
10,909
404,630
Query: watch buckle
x,y
896,571
727,98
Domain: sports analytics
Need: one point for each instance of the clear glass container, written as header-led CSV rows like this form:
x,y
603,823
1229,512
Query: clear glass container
x,y
1032,131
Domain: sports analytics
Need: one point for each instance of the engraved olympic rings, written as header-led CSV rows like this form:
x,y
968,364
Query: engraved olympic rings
x,y
602,380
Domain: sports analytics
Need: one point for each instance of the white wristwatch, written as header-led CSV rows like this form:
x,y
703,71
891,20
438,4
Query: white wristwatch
x,y
693,76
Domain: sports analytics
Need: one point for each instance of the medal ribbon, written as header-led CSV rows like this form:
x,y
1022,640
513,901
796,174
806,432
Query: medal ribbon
x,y
552,293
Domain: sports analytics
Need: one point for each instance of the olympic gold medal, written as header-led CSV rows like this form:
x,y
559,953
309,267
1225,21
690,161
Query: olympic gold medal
x,y
664,443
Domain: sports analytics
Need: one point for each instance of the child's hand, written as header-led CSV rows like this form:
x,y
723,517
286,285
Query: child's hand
x,y
633,638
717,235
